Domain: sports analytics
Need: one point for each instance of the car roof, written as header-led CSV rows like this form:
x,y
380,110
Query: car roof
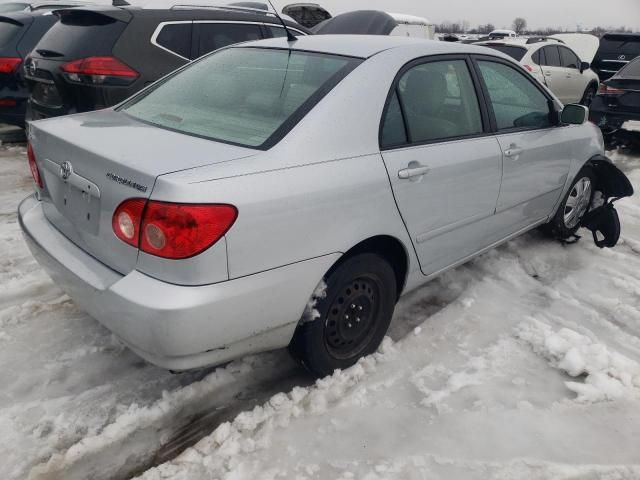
x,y
365,46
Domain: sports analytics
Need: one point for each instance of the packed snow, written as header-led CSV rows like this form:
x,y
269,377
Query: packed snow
x,y
524,363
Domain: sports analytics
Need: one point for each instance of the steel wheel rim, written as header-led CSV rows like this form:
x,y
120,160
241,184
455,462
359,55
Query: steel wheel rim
x,y
351,318
577,202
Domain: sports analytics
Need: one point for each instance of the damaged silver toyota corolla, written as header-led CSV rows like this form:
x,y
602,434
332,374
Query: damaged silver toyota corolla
x,y
197,219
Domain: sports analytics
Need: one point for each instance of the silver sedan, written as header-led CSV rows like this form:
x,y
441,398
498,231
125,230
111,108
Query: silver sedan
x,y
280,193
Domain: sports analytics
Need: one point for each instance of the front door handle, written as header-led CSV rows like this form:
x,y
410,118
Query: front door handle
x,y
414,170
513,152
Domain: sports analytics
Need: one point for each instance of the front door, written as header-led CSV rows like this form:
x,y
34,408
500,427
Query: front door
x,y
537,154
444,165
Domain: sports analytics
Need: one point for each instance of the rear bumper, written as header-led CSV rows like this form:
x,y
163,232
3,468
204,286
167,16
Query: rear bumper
x,y
610,120
177,327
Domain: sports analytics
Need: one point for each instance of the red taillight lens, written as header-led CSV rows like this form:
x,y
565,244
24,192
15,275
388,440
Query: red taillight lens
x,y
8,102
172,230
99,67
9,64
605,89
127,220
33,166
529,68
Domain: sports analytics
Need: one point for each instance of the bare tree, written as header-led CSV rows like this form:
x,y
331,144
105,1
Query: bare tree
x,y
519,25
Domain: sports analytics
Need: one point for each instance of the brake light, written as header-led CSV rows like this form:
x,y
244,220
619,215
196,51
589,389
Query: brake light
x,y
8,102
172,230
99,70
33,166
9,64
529,68
605,89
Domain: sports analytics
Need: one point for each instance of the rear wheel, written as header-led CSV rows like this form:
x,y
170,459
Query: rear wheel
x,y
354,315
589,95
574,206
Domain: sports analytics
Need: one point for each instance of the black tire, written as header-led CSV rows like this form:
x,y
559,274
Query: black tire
x,y
558,226
589,95
354,316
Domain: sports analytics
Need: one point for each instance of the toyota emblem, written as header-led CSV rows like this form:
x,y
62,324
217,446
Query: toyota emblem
x,y
65,170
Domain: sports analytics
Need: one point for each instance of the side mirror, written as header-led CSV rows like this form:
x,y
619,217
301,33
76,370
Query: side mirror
x,y
584,66
574,114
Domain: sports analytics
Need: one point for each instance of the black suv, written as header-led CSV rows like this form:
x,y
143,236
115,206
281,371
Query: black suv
x,y
96,57
615,51
19,33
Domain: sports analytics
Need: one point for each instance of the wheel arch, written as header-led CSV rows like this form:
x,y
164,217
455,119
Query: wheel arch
x,y
611,180
389,248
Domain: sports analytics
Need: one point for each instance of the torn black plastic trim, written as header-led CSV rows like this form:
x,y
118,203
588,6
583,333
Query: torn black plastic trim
x,y
612,182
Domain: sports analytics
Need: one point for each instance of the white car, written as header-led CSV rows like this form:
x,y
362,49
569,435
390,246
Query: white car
x,y
553,64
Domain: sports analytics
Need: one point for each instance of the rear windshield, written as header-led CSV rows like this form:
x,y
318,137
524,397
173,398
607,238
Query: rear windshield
x,y
632,70
243,96
514,52
8,32
623,44
82,34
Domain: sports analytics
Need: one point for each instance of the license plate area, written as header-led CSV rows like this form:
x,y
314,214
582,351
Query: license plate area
x,y
79,207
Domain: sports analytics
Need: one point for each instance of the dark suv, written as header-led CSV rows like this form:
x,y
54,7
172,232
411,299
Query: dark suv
x,y
96,57
19,33
615,51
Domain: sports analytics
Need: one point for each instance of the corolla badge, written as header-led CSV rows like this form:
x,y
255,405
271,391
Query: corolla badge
x,y
65,170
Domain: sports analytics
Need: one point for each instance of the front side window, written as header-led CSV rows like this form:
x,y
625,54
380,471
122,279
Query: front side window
x,y
244,96
569,59
516,102
176,38
212,36
438,101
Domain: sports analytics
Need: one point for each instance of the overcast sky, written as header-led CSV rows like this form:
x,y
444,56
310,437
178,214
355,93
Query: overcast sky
x,y
539,13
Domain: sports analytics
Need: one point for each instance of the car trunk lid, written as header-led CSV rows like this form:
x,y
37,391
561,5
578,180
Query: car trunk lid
x,y
91,163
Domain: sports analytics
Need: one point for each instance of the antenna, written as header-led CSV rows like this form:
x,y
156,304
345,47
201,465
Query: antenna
x,y
290,36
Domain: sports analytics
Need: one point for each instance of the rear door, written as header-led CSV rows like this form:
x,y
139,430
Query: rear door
x,y
443,163
576,83
555,75
212,35
537,154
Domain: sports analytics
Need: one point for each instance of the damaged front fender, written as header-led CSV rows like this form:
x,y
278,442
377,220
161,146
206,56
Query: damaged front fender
x,y
603,221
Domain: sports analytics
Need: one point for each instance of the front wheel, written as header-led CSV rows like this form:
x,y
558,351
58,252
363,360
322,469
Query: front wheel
x,y
574,206
352,317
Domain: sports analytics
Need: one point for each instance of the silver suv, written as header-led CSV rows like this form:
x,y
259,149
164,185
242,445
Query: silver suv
x,y
280,193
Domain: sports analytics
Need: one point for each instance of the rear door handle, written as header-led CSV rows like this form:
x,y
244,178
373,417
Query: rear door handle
x,y
413,171
513,152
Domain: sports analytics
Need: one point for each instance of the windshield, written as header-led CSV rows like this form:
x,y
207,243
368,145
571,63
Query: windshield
x,y
12,7
514,52
244,96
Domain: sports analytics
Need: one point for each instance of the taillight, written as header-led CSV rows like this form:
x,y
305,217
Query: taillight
x,y
172,230
127,219
529,68
33,166
99,70
9,64
605,89
8,102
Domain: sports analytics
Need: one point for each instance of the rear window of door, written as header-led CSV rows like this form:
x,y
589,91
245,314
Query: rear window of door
x,y
212,36
569,59
552,56
432,101
176,37
517,103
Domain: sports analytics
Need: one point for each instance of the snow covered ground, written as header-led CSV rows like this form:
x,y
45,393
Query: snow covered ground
x,y
524,363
